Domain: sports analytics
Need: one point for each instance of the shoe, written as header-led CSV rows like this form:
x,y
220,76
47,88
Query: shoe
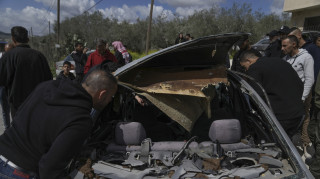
x,y
297,142
309,150
308,161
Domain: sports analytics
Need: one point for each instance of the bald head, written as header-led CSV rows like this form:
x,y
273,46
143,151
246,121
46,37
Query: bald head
x,y
298,33
99,80
101,85
295,32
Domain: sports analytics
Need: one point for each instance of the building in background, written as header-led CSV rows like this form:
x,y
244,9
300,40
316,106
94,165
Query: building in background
x,y
305,13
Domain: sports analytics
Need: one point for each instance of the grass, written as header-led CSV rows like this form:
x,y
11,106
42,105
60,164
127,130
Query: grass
x,y
136,55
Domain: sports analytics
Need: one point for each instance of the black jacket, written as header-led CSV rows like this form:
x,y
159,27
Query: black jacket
x,y
80,60
274,49
121,60
49,128
178,40
21,70
61,76
282,85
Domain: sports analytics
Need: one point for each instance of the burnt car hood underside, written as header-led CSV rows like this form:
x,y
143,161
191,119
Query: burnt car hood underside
x,y
180,80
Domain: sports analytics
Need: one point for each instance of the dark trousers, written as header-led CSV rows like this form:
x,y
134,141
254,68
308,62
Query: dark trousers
x,y
5,107
314,134
304,135
292,126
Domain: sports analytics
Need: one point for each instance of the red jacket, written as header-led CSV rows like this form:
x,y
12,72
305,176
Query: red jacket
x,y
95,59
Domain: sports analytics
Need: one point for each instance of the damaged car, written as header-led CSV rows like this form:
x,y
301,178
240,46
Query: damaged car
x,y
197,120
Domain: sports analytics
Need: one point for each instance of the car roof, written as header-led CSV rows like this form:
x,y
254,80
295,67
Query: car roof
x,y
209,51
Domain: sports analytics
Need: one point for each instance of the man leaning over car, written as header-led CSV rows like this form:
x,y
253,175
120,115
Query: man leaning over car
x,y
52,125
282,85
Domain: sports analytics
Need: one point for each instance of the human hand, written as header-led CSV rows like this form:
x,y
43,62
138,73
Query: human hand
x,y
141,101
85,50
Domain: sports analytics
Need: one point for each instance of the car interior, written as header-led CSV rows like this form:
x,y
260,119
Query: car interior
x,y
130,140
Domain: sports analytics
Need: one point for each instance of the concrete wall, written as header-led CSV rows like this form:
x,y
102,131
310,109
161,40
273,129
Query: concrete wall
x,y
301,9
298,17
297,5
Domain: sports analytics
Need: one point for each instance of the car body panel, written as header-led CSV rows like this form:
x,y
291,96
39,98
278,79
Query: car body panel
x,y
262,44
197,52
179,78
181,108
182,69
174,81
310,35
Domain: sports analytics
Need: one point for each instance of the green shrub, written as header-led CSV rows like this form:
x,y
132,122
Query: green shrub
x,y
136,55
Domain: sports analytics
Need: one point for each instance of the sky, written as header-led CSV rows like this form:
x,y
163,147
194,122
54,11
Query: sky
x,y
36,14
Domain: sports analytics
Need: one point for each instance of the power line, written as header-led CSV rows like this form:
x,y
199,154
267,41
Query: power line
x,y
49,9
92,6
45,19
44,29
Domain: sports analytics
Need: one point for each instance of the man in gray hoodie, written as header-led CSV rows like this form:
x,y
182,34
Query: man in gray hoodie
x,y
302,62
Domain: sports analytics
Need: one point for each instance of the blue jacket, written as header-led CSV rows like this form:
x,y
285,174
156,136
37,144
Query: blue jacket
x,y
315,53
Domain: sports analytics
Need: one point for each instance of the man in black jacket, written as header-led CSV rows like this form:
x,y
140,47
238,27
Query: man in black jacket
x,y
274,48
22,69
80,59
282,85
52,124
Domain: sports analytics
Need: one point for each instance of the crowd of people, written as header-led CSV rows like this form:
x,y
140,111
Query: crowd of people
x,y
181,39
288,71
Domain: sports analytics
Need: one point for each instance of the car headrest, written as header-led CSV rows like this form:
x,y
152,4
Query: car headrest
x,y
129,133
226,131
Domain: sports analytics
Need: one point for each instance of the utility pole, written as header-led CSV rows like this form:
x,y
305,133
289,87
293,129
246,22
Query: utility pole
x,y
49,28
58,19
31,35
149,27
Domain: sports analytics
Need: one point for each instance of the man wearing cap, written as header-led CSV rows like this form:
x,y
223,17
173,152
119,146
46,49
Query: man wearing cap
x,y
283,32
274,48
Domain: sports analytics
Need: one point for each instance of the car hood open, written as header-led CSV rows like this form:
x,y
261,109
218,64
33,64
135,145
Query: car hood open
x,y
180,80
